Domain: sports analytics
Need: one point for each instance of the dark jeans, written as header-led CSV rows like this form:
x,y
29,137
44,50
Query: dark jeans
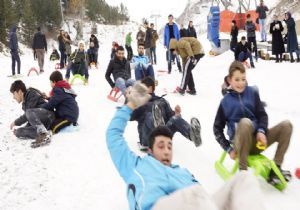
x,y
170,59
62,58
129,52
15,58
244,56
187,76
252,43
77,69
141,72
175,124
153,54
39,121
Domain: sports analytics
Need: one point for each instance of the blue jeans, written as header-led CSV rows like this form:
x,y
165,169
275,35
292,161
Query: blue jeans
x,y
171,58
175,124
15,58
153,54
262,28
62,58
122,85
141,71
244,56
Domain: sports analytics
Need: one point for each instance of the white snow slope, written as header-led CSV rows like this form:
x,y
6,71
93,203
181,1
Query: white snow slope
x,y
75,171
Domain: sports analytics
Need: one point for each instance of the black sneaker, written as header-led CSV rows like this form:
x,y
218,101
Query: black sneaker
x,y
181,91
195,132
41,140
252,65
274,179
158,119
192,92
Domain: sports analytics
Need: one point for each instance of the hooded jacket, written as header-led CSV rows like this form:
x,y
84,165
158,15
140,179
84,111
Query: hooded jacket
x,y
235,106
32,99
39,41
146,178
13,39
62,102
186,47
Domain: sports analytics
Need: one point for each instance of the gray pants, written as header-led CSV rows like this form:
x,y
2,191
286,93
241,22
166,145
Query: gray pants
x,y
39,121
245,141
40,54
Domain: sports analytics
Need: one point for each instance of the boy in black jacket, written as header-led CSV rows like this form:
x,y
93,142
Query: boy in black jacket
x,y
156,112
247,123
38,120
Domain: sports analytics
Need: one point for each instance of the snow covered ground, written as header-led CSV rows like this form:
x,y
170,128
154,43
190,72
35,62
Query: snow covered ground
x,y
75,171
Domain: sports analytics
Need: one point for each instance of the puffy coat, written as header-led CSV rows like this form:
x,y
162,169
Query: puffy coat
x,y
147,179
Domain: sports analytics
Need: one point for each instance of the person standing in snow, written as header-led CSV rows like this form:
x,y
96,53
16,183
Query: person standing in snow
x,y
191,32
140,36
153,44
38,120
154,182
261,10
94,39
277,41
148,39
171,32
14,50
39,46
190,51
251,37
67,46
62,48
128,47
247,123
292,40
234,35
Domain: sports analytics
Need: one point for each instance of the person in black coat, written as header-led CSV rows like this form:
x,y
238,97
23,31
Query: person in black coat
x,y
234,35
94,39
183,32
119,67
243,52
277,41
148,39
39,46
292,42
191,32
62,48
62,100
13,45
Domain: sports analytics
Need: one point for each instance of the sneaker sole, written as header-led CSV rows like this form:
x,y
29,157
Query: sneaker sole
x,y
195,132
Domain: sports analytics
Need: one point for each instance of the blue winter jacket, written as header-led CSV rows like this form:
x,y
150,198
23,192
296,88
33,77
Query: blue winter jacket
x,y
167,34
137,59
147,179
13,40
235,106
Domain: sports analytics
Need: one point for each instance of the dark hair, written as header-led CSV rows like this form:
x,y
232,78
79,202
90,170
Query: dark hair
x,y
149,82
236,66
120,48
170,15
151,24
93,36
39,28
234,22
18,85
141,44
248,16
159,131
56,76
243,38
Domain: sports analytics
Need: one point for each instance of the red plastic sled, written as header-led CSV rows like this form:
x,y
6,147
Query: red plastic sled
x,y
114,94
33,70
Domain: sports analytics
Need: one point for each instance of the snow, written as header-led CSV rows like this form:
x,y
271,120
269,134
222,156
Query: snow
x,y
75,171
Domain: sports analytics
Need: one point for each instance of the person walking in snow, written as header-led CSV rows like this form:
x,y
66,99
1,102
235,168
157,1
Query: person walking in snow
x,y
261,10
62,101
277,41
157,111
247,123
14,50
171,32
119,68
38,119
154,182
190,51
251,37
153,44
128,47
292,40
39,46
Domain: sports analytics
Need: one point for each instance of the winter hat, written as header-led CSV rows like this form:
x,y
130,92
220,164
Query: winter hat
x,y
81,42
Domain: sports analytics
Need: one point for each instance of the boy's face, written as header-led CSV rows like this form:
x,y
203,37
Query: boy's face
x,y
238,81
81,46
18,96
141,50
162,150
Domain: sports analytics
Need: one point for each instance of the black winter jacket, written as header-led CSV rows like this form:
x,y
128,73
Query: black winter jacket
x,y
39,41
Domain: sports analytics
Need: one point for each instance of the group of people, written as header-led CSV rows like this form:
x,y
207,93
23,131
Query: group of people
x,y
247,45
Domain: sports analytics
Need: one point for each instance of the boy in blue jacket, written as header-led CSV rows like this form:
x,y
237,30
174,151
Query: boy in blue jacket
x,y
62,102
155,183
247,123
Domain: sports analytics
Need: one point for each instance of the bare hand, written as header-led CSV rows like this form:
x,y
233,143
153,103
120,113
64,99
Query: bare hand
x,y
12,125
177,110
232,155
261,137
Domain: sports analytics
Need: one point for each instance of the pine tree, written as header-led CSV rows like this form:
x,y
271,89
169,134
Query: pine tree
x,y
28,22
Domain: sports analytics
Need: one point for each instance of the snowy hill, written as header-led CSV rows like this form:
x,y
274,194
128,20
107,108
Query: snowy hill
x,y
75,171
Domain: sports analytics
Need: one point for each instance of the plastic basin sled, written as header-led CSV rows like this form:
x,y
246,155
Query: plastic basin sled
x,y
114,94
259,163
78,77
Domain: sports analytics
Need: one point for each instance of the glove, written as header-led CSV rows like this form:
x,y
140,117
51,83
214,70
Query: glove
x,y
138,94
